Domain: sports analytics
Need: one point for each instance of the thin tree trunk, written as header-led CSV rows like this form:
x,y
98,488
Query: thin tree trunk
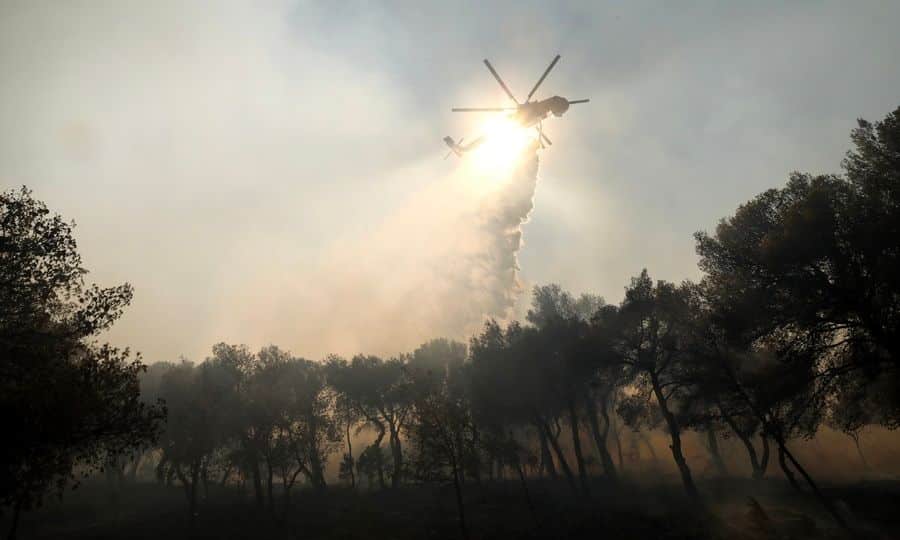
x,y
204,477
747,442
608,463
787,470
184,484
190,489
316,472
524,483
576,445
195,479
17,514
560,457
397,452
600,438
764,460
476,462
779,440
547,466
288,484
815,488
270,492
350,453
862,457
460,508
161,469
257,479
380,457
675,435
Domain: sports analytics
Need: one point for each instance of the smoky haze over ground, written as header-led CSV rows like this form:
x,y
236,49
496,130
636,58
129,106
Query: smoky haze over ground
x,y
272,173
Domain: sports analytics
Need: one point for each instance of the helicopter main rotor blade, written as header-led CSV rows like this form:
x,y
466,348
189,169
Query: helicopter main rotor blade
x,y
577,101
482,109
499,80
544,76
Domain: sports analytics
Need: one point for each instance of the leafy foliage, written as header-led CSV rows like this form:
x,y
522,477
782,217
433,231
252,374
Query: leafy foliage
x,y
67,404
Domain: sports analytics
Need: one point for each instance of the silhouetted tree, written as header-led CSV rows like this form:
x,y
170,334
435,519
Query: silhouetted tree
x,y
65,401
561,329
653,342
814,266
809,274
441,428
379,392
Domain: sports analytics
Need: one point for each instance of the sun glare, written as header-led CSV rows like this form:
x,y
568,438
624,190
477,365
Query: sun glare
x,y
504,142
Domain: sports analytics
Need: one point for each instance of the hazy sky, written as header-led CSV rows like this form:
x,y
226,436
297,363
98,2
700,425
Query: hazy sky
x,y
272,172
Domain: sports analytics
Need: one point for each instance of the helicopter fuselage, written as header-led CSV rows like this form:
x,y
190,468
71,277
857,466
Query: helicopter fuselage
x,y
531,113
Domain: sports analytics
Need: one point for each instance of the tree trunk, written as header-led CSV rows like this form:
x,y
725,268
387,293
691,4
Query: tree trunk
x,y
783,451
257,479
350,453
270,492
397,453
600,437
524,483
380,457
459,500
204,477
195,480
161,469
787,470
476,461
560,457
16,516
764,461
675,435
862,457
190,489
576,445
547,466
288,484
316,468
815,488
712,444
747,442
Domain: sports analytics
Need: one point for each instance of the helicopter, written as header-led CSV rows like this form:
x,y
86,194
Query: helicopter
x,y
457,147
527,114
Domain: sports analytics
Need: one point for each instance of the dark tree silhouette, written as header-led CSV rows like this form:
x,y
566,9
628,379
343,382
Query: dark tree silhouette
x,y
65,402
379,392
654,344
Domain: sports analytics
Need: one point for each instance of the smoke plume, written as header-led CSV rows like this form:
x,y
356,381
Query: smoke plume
x,y
439,266
486,283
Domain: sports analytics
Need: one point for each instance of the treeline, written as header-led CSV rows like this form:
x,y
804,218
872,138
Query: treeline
x,y
794,325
